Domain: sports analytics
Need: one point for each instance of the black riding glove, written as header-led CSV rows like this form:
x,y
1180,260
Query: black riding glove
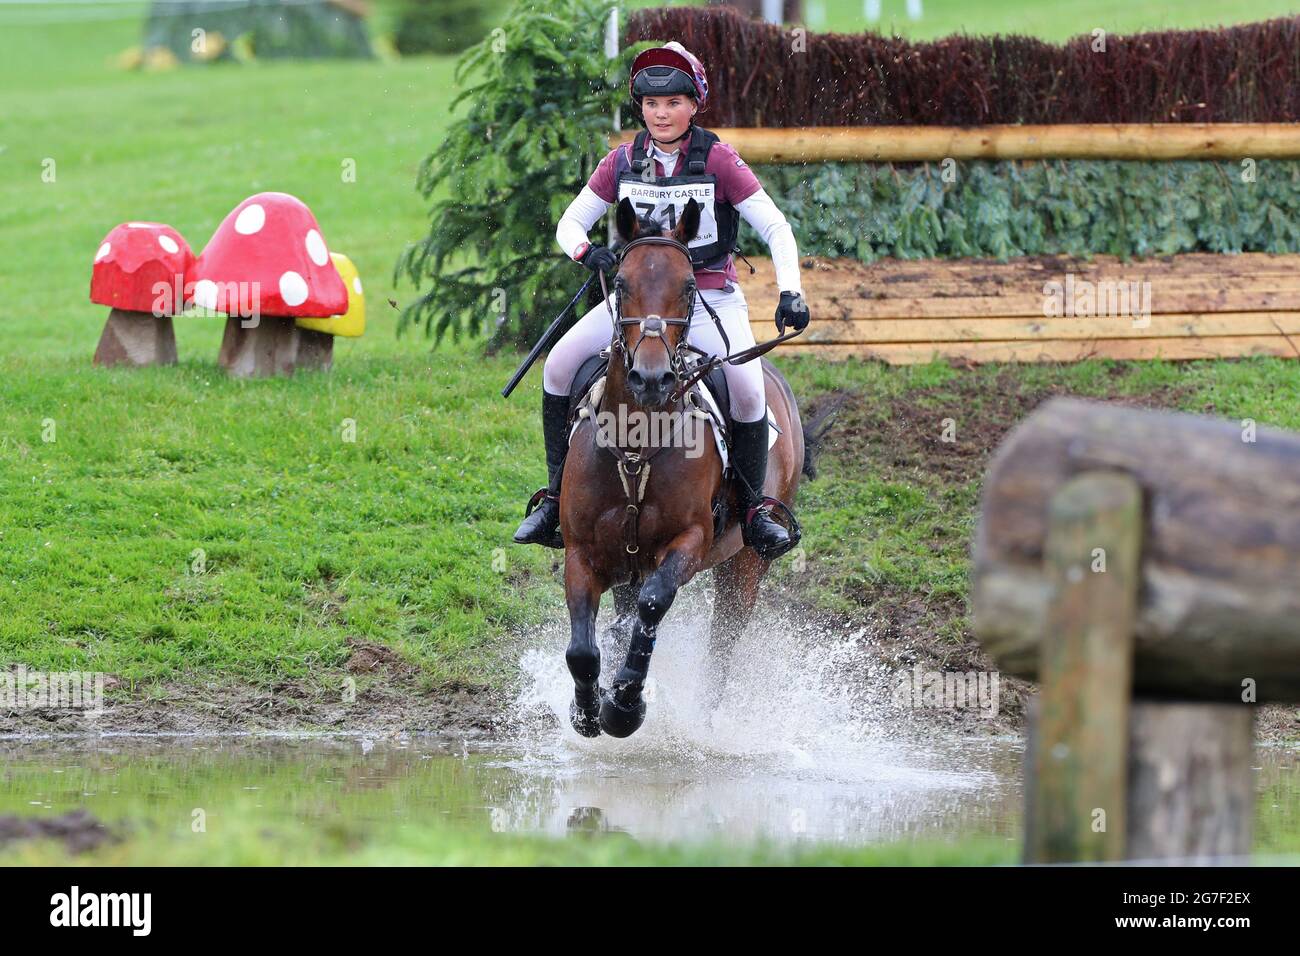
x,y
793,309
599,258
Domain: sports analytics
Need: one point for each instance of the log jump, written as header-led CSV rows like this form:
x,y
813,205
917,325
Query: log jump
x,y
1142,567
912,144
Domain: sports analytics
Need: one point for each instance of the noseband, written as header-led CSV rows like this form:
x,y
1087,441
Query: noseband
x,y
652,326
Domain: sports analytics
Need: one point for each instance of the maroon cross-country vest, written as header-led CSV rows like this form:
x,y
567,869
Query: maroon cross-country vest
x,y
664,197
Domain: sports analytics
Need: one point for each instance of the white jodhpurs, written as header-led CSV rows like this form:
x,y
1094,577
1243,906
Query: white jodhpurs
x,y
595,330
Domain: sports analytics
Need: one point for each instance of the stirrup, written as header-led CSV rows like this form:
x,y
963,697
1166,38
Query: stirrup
x,y
536,500
766,504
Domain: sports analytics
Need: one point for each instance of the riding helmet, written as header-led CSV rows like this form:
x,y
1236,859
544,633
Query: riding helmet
x,y
665,70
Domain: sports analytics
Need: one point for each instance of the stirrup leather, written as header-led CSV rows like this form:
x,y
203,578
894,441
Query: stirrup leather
x,y
536,500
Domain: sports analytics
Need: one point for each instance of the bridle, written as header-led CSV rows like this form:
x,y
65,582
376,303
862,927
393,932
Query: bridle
x,y
652,326
634,467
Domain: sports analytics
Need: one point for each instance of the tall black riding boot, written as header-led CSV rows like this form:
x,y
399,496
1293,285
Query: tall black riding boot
x,y
541,523
749,457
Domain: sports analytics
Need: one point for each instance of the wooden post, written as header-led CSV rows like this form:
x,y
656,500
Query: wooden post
x,y
1085,672
136,339
275,346
1191,792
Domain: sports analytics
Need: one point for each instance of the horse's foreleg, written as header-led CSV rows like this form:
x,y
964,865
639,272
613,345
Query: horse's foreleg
x,y
623,709
582,591
735,584
619,634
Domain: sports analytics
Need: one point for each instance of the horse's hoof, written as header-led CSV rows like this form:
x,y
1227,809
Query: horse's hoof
x,y
619,720
585,720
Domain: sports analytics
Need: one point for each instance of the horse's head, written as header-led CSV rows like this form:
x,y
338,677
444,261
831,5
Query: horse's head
x,y
655,290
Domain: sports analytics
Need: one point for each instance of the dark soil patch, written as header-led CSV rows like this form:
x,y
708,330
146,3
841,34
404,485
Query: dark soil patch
x,y
77,830
368,657
1277,722
902,438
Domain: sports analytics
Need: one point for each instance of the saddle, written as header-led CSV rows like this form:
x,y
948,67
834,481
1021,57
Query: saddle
x,y
716,404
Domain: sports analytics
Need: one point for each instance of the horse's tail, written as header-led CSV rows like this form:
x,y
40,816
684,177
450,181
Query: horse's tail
x,y
815,430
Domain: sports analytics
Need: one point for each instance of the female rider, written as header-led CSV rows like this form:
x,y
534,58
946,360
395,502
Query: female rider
x,y
668,87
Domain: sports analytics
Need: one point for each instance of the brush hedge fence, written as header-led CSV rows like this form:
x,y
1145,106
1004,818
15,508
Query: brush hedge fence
x,y
761,74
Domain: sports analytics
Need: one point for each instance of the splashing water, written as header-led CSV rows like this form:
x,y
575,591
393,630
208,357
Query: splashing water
x,y
800,740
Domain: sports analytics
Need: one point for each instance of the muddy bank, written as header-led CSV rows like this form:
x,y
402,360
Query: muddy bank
x,y
377,692
460,712
388,707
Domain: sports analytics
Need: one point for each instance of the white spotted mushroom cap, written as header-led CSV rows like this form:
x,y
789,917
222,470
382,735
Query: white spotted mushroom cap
x,y
141,267
273,240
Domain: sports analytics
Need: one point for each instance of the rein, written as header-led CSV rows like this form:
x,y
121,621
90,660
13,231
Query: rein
x,y
634,467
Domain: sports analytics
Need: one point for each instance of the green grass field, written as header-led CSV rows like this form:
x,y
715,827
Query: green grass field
x,y
1049,19
99,525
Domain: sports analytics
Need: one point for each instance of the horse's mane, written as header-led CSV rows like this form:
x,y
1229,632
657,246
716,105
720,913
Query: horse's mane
x,y
648,225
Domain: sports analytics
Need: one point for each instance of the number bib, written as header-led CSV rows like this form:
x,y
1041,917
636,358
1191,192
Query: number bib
x,y
665,199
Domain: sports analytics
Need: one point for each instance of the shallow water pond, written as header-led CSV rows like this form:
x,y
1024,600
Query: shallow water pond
x,y
888,792
799,748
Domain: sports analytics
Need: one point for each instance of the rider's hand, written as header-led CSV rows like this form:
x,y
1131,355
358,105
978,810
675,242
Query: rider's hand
x,y
599,259
793,309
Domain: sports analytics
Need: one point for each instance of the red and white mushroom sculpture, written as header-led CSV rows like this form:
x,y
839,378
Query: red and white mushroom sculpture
x,y
266,264
140,272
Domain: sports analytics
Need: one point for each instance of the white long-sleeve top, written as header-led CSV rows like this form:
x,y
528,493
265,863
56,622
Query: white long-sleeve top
x,y
758,210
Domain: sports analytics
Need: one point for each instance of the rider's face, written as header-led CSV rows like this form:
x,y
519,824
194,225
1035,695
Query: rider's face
x,y
667,116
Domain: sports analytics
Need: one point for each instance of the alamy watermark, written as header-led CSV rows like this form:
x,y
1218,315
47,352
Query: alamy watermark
x,y
75,908
948,690
21,689
633,429
1083,298
238,300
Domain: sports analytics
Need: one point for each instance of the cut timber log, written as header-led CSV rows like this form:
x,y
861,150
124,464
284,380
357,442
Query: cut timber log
x,y
136,339
995,328
908,144
1047,350
1041,309
1220,571
274,346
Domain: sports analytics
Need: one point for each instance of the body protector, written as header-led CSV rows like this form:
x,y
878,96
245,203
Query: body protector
x,y
664,197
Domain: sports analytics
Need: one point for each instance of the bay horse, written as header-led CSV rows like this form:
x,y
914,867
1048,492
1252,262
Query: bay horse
x,y
646,535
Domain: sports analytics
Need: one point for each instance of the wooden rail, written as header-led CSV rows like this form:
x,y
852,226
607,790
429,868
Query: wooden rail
x,y
1137,141
1040,309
